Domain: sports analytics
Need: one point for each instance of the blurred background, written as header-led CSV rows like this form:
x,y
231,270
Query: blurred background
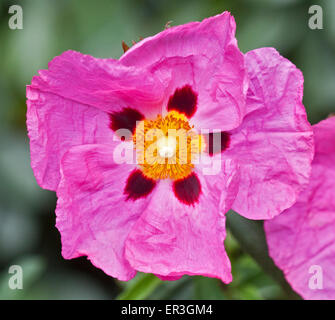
x,y
28,236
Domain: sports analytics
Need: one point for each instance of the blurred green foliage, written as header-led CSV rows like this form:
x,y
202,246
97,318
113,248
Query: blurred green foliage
x,y
28,236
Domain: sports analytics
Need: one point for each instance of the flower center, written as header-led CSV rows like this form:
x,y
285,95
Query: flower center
x,y
167,146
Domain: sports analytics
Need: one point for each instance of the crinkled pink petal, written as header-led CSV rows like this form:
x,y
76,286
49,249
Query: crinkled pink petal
x,y
92,215
172,239
202,54
102,83
56,124
220,91
302,240
222,178
206,38
274,145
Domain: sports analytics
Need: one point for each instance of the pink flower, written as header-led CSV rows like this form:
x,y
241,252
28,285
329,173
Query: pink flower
x,y
302,240
156,217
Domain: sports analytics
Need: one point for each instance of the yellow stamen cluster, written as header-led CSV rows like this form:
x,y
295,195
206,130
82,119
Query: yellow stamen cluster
x,y
167,146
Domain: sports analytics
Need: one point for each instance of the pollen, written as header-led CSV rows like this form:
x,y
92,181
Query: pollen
x,y
167,147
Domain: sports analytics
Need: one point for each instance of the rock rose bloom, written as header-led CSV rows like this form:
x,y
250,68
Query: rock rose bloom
x,y
153,215
302,240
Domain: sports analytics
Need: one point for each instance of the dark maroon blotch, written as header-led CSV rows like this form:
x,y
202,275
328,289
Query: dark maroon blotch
x,y
125,119
138,185
184,100
187,190
217,142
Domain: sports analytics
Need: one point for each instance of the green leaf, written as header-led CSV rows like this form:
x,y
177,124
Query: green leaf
x,y
140,287
208,289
